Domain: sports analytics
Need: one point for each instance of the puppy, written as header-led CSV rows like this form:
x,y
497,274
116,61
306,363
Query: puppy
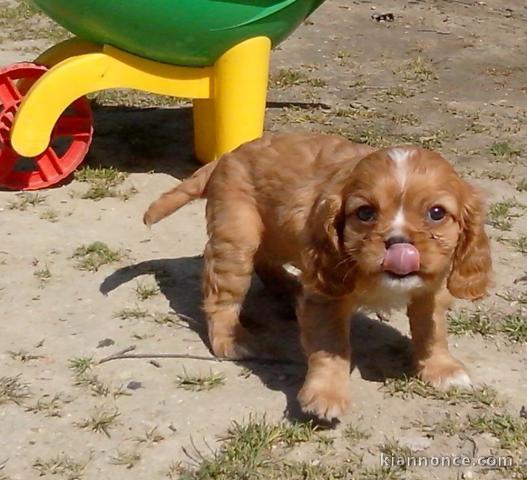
x,y
370,228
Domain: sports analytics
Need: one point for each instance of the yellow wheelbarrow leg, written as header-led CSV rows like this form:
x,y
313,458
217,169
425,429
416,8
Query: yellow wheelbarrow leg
x,y
77,76
236,112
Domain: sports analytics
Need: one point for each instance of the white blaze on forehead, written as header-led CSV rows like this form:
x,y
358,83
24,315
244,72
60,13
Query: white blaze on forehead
x,y
398,223
400,157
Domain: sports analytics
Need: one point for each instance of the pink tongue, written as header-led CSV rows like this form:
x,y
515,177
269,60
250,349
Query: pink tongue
x,y
401,259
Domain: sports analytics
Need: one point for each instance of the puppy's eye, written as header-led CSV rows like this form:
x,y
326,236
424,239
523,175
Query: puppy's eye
x,y
366,213
436,213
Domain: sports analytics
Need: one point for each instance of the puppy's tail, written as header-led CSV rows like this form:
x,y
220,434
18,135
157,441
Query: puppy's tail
x,y
188,190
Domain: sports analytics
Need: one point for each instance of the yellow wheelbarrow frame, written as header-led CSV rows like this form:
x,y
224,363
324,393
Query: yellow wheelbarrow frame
x,y
228,98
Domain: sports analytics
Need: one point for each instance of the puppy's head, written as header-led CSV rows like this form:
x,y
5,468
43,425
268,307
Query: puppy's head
x,y
405,220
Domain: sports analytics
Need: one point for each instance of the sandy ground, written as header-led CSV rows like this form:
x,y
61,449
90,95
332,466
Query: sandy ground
x,y
450,75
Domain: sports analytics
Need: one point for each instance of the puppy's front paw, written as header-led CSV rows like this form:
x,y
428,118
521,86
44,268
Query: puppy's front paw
x,y
324,398
233,347
443,372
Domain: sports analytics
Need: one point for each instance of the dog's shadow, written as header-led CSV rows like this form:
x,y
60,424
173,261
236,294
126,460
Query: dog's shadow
x,y
379,350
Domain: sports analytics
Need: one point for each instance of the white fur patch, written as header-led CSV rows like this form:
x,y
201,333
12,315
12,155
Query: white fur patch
x,y
292,269
403,284
398,223
393,293
400,157
460,379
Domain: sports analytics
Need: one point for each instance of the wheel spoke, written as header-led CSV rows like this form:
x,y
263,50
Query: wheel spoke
x,y
72,126
8,91
8,159
48,164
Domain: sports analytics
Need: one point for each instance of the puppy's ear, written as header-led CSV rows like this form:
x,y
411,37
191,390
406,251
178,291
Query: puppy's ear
x,y
325,271
325,223
471,274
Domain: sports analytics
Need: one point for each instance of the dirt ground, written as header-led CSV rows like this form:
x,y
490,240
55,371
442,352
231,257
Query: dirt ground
x,y
450,75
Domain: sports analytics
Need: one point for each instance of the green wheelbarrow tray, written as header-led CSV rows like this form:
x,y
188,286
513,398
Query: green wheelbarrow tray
x,y
180,32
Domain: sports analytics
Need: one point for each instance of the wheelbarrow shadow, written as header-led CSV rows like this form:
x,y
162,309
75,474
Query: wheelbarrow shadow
x,y
151,139
379,350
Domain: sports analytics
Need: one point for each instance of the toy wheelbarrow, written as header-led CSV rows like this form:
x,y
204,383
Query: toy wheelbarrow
x,y
215,52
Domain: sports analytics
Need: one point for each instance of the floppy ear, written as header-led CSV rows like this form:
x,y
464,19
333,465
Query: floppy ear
x,y
325,223
325,267
470,277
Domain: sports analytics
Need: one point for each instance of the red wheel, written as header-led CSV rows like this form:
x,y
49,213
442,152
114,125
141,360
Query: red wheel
x,y
70,139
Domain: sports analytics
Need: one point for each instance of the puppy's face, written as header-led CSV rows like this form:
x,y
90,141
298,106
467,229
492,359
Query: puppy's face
x,y
408,221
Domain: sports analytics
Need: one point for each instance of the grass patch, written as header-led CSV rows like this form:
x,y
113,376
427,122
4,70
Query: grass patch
x,y
411,387
419,69
93,256
430,141
83,376
50,215
392,94
354,434
123,97
380,473
101,420
514,297
498,174
145,291
25,200
14,390
200,383
250,451
302,116
500,214
47,405
22,21
448,426
61,465
128,459
134,313
43,274
23,356
515,327
392,448
107,176
151,437
287,77
476,322
509,430
20,11
374,136
504,149
520,244
81,365
103,182
138,313
166,319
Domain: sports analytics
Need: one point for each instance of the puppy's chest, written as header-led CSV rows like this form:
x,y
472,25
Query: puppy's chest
x,y
383,299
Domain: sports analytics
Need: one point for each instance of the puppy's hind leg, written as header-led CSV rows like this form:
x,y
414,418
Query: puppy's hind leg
x,y
235,229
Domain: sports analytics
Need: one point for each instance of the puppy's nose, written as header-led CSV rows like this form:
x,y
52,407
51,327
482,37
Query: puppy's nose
x,y
396,239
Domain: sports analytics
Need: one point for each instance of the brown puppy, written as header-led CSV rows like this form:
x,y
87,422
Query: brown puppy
x,y
366,228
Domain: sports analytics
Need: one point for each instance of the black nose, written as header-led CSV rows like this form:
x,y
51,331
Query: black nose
x,y
396,239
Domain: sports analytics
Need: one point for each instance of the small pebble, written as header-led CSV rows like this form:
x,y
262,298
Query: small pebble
x,y
105,343
133,385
